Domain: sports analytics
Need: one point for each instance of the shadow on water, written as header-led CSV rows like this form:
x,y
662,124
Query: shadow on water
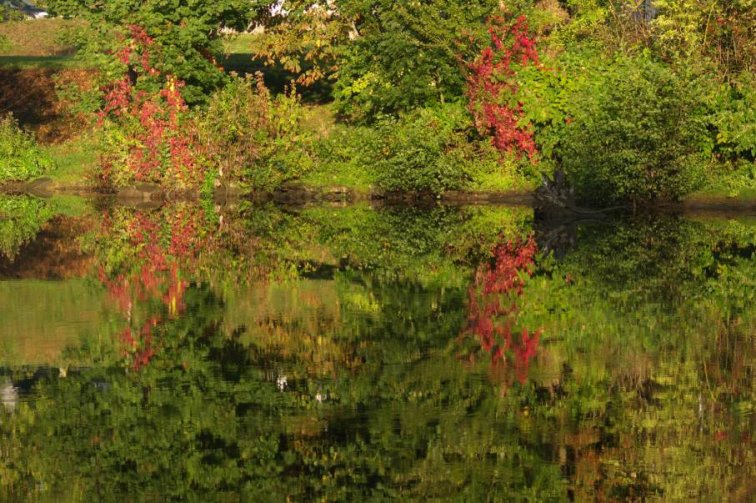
x,y
356,353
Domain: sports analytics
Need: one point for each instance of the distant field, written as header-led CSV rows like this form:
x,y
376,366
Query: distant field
x,y
37,43
242,43
39,37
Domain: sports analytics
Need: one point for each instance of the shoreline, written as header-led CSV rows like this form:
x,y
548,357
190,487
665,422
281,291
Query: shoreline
x,y
295,193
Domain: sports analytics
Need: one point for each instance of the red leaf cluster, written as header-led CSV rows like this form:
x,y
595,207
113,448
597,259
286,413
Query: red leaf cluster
x,y
492,85
164,244
161,145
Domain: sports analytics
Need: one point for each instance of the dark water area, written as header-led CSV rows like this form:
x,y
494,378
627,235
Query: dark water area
x,y
255,352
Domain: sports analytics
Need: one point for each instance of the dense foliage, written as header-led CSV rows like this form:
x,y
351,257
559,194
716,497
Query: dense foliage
x,y
20,156
249,135
186,34
638,102
637,134
428,151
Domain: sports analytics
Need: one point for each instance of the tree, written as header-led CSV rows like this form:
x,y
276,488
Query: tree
x,y
186,33
386,57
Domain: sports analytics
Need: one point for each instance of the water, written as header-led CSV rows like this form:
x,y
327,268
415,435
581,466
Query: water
x,y
322,353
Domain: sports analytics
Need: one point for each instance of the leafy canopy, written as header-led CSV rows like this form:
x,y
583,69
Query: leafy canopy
x,y
186,32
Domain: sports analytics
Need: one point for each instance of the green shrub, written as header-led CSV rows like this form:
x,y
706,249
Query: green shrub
x,y
429,150
734,118
636,134
346,156
20,156
254,137
5,44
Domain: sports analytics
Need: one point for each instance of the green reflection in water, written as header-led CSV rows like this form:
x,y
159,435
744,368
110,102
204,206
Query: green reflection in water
x,y
327,354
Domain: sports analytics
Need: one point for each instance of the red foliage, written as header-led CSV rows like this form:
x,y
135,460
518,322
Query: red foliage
x,y
492,307
491,85
161,146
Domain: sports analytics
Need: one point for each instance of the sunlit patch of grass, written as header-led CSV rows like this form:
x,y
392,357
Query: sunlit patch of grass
x,y
497,181
241,43
40,37
74,160
741,195
343,175
37,44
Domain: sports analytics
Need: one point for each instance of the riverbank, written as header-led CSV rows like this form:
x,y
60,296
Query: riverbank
x,y
296,193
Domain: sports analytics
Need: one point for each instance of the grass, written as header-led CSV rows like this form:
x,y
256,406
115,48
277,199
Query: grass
x,y
40,37
344,175
500,182
742,195
37,43
241,43
26,62
74,160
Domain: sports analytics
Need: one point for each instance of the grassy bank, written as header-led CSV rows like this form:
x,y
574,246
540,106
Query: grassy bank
x,y
75,161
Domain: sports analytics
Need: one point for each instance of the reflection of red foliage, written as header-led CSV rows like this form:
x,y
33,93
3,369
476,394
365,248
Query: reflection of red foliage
x,y
139,349
491,85
493,306
164,244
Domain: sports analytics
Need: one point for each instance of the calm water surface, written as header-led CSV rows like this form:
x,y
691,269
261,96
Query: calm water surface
x,y
320,353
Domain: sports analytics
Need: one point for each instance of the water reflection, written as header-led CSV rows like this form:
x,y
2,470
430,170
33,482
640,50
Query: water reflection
x,y
320,353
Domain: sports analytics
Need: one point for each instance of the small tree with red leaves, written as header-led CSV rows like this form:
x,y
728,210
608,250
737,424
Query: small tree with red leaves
x,y
492,85
149,135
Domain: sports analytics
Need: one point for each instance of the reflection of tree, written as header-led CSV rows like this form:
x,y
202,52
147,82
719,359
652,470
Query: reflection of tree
x,y
190,422
350,387
657,258
646,314
21,218
145,258
493,310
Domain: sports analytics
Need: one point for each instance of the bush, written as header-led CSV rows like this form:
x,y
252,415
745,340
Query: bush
x,y
5,44
734,119
636,134
346,156
429,150
20,156
253,137
148,137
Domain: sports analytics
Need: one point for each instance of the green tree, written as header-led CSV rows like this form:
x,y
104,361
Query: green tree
x,y
187,34
386,57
